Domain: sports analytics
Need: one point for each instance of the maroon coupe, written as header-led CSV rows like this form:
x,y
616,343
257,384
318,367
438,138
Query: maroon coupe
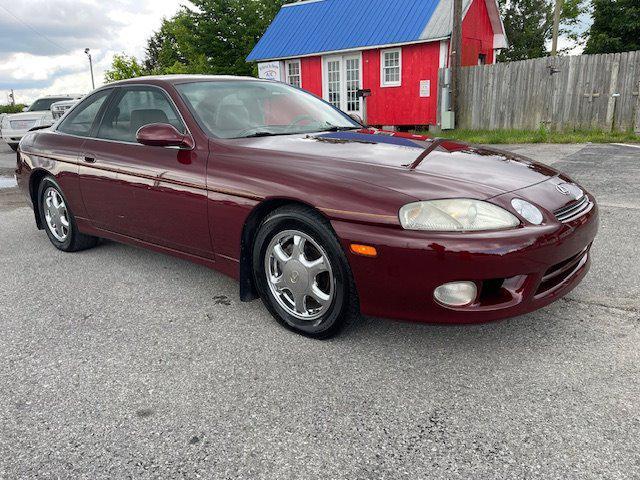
x,y
321,217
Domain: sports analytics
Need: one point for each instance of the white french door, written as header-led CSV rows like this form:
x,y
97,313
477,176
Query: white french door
x,y
341,80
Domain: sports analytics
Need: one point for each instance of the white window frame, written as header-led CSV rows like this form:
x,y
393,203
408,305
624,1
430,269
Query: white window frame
x,y
343,79
383,82
286,70
325,77
345,58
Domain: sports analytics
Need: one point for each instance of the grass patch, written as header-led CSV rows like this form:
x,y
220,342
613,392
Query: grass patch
x,y
538,136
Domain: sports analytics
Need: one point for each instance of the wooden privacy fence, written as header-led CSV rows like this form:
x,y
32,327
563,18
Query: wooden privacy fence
x,y
562,93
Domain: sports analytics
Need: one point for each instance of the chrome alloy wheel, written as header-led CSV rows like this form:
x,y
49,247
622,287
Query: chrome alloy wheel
x,y
56,215
299,275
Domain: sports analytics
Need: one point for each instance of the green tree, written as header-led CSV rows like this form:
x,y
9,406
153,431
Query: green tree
x,y
171,49
529,23
214,37
615,28
210,37
123,67
11,108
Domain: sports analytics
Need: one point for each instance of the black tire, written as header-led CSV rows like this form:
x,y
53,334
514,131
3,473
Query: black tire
x,y
13,146
344,307
74,241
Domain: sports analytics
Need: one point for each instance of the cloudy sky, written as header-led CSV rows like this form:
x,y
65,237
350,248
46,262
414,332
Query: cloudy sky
x,y
42,42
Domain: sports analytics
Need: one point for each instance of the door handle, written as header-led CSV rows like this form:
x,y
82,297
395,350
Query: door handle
x,y
89,159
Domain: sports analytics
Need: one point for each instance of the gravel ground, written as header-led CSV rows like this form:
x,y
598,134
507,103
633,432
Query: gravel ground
x,y
119,362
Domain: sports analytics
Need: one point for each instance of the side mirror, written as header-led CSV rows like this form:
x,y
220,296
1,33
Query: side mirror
x,y
357,118
25,109
163,135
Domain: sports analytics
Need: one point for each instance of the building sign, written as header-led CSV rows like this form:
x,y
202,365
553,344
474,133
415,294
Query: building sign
x,y
271,71
425,88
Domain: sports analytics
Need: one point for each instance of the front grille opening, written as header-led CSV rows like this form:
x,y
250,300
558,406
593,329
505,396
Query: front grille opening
x,y
560,272
574,210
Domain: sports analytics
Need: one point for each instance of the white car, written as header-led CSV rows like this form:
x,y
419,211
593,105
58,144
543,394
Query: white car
x,y
58,109
14,126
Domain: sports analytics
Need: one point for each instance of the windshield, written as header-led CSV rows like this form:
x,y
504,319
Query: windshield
x,y
43,104
240,109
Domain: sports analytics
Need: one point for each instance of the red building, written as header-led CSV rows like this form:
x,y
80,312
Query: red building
x,y
394,48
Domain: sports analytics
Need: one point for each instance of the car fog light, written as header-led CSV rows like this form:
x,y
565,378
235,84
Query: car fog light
x,y
456,294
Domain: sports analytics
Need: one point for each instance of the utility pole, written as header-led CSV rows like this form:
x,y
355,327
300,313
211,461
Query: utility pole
x,y
556,27
12,98
93,84
456,54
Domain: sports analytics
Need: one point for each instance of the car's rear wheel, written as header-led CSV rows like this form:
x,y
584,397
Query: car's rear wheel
x,y
302,273
59,222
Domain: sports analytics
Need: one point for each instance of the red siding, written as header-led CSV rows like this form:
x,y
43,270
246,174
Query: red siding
x,y
477,34
403,105
312,74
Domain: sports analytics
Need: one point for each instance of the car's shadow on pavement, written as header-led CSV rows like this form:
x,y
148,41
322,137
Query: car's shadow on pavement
x,y
459,337
556,320
222,291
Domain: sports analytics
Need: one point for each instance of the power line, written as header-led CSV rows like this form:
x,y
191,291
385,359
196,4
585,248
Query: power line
x,y
64,50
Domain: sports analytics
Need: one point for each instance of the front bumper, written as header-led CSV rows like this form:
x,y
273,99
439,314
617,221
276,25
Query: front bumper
x,y
516,271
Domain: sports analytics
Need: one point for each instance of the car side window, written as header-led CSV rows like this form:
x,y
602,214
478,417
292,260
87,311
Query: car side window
x,y
136,108
81,119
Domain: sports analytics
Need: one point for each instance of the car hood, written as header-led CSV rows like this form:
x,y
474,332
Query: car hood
x,y
412,164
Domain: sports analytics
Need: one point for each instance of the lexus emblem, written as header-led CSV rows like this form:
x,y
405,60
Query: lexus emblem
x,y
294,276
569,189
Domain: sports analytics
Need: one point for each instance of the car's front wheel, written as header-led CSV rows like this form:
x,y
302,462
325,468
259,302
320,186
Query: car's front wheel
x,y
59,222
302,273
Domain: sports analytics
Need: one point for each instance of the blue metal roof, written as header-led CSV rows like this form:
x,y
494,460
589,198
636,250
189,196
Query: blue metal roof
x,y
317,26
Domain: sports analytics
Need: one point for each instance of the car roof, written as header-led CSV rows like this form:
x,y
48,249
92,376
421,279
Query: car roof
x,y
176,79
71,100
70,96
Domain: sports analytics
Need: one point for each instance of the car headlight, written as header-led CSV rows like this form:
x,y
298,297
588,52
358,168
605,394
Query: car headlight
x,y
529,212
456,215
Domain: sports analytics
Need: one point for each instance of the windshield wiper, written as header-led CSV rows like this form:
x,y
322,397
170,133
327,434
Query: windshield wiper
x,y
264,133
334,128
261,134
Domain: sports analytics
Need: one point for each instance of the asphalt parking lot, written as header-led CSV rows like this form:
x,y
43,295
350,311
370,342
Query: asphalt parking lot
x,y
119,362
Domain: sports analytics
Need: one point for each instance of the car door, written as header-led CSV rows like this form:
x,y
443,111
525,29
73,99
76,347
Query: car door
x,y
155,194
67,144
